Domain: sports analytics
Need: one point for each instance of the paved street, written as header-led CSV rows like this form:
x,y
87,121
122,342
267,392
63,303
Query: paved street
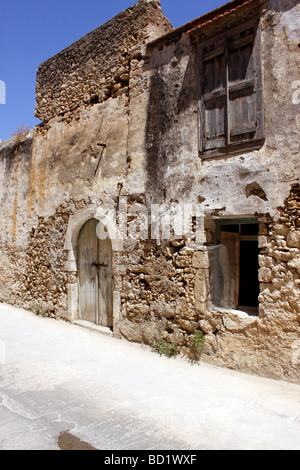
x,y
114,395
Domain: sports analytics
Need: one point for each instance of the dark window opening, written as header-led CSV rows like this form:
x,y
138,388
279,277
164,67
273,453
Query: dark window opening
x,y
249,229
249,285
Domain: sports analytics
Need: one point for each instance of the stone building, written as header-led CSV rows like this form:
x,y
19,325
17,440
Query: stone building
x,y
160,193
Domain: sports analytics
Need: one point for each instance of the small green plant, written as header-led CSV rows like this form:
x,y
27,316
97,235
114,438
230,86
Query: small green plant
x,y
165,349
195,346
39,311
197,341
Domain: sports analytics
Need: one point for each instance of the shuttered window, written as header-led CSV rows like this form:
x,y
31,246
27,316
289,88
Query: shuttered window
x,y
231,109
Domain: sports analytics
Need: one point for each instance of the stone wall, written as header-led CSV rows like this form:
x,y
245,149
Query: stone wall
x,y
98,66
158,293
243,185
32,257
15,165
280,265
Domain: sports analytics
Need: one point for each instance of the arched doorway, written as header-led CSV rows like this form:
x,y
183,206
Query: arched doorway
x,y
95,276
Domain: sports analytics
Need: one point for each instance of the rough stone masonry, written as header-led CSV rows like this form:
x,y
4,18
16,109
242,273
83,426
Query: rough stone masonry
x,y
139,115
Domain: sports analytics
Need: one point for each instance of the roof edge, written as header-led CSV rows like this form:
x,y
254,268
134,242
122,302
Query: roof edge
x,y
211,16
193,27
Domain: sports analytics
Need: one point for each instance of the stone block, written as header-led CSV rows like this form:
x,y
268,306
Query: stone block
x,y
238,321
262,241
295,264
265,261
293,239
200,260
265,275
186,250
201,293
283,255
281,229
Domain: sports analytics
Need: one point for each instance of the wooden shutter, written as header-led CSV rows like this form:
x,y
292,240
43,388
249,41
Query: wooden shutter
x,y
231,89
213,96
242,86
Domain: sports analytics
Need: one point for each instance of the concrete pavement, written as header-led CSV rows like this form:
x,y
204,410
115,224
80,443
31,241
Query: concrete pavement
x,y
114,395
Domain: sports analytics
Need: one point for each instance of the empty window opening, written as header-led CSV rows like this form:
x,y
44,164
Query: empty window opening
x,y
249,285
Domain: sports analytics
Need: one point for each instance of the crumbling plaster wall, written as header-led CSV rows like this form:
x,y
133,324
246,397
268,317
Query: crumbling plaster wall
x,y
223,181
256,183
91,132
32,272
135,134
15,164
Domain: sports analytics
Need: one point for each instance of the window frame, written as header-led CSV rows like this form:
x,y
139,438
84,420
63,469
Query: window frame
x,y
236,262
238,221
232,147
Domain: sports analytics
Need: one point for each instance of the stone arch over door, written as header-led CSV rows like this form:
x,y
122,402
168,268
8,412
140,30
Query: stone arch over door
x,y
76,222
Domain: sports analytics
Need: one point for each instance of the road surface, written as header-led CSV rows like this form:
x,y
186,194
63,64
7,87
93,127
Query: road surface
x,y
58,378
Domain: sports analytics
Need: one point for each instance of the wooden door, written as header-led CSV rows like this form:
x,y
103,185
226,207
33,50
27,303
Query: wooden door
x,y
105,284
231,268
95,276
87,276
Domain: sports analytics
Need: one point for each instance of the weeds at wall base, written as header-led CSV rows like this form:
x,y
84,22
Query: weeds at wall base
x,y
165,349
43,313
193,351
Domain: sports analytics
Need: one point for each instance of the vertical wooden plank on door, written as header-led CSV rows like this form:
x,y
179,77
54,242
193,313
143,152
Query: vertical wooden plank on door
x,y
201,136
105,283
227,106
214,94
87,274
259,83
242,86
231,241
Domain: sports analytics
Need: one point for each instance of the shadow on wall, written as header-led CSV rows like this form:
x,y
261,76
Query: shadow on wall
x,y
171,94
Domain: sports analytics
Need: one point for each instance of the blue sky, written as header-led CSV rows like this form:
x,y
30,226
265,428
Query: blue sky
x,y
32,31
